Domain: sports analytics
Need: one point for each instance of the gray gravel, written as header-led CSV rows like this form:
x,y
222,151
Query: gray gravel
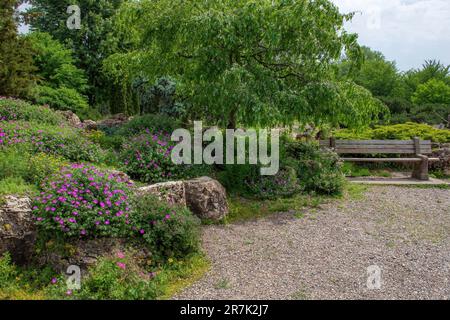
x,y
325,254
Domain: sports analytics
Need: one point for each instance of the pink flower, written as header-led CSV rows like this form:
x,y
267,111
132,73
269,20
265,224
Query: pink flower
x,y
54,280
69,292
121,265
120,255
142,231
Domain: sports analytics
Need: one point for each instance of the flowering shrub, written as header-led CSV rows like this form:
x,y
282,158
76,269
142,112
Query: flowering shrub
x,y
13,110
83,201
147,158
169,232
283,184
60,141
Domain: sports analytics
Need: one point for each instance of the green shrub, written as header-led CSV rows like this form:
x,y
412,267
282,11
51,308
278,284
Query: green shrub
x,y
149,122
60,98
13,163
83,201
8,272
246,180
13,110
318,170
405,131
42,166
147,158
169,232
283,184
16,186
112,278
59,141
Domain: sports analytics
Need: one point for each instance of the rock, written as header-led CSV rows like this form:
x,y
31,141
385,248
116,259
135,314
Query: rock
x,y
86,253
444,159
71,118
171,192
114,121
89,125
206,198
17,229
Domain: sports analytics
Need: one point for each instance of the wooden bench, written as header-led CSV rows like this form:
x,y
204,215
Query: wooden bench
x,y
416,149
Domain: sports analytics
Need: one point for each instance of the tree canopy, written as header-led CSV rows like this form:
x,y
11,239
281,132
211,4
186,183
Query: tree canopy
x,y
263,62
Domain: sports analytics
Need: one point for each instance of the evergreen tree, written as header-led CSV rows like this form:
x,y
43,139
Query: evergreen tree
x,y
16,59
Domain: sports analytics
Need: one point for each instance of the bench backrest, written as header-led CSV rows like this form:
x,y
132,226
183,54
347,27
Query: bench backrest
x,y
415,146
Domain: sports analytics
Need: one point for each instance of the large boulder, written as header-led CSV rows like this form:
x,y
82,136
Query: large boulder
x,y
89,125
17,229
72,119
170,192
206,198
114,121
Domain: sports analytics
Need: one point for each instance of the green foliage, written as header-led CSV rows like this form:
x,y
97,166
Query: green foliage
x,y
56,66
16,60
42,166
60,99
150,122
147,158
13,163
317,170
90,45
248,62
431,113
13,110
158,97
83,201
247,180
109,281
169,232
433,91
16,186
404,131
378,75
41,138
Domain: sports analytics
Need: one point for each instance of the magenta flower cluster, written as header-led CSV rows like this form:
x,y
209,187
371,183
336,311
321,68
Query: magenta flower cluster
x,y
84,201
147,158
51,140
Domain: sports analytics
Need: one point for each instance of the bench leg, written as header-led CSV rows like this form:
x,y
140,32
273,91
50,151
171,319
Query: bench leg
x,y
421,169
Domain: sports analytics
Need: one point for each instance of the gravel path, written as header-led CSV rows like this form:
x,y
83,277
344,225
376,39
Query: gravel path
x,y
325,254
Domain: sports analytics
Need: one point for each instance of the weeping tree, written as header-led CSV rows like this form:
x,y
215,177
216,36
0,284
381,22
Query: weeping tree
x,y
260,62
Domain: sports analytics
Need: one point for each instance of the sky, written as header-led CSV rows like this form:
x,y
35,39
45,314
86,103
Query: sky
x,y
406,31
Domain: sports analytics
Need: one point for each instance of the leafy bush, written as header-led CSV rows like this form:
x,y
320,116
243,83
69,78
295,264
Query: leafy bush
x,y
8,271
404,131
13,110
147,158
150,122
13,163
60,141
430,113
16,186
247,180
83,201
60,98
169,232
41,166
117,279
283,184
317,170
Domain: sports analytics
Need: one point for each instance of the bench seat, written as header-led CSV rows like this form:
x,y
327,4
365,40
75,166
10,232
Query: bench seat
x,y
416,151
399,160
